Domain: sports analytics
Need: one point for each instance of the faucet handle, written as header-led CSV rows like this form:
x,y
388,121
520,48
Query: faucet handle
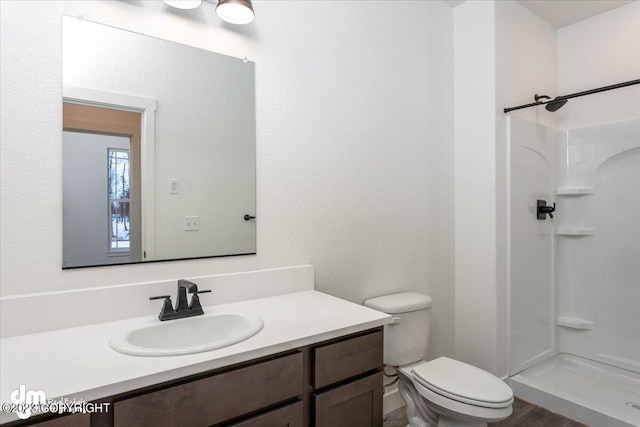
x,y
167,308
195,302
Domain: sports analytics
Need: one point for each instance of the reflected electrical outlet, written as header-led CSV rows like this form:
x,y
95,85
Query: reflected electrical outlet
x,y
191,223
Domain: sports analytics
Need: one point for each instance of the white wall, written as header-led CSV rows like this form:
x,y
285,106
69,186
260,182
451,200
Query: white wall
x,y
526,62
504,54
354,144
525,66
598,52
475,169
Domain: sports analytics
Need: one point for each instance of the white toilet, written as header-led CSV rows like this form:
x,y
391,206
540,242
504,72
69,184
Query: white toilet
x,y
443,392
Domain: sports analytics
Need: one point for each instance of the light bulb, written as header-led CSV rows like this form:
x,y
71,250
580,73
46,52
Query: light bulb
x,y
235,11
184,4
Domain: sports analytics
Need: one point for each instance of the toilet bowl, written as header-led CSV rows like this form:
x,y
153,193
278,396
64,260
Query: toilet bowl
x,y
443,392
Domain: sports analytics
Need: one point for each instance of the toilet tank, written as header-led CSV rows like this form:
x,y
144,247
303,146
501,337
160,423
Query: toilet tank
x,y
405,338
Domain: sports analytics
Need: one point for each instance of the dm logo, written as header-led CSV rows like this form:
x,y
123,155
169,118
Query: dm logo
x,y
25,400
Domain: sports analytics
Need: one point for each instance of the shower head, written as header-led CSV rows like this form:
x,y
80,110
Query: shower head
x,y
556,104
552,106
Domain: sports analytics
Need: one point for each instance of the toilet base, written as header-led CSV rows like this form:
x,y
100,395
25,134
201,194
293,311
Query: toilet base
x,y
421,413
444,422
418,414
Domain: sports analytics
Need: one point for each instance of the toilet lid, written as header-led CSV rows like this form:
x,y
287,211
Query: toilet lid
x,y
463,382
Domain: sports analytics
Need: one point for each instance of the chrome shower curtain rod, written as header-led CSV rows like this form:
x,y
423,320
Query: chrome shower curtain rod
x,y
575,95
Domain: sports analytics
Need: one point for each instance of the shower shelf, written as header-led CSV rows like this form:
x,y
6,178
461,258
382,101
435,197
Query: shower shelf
x,y
574,323
574,191
575,231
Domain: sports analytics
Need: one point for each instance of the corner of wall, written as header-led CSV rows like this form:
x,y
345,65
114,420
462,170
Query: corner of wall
x,y
475,175
526,64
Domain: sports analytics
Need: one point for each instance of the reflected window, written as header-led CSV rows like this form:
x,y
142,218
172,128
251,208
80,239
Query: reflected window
x,y
119,203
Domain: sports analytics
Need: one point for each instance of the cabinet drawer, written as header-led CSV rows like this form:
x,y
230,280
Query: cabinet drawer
x,y
358,403
216,398
289,416
345,359
75,420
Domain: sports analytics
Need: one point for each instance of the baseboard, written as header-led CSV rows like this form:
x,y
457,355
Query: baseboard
x,y
391,401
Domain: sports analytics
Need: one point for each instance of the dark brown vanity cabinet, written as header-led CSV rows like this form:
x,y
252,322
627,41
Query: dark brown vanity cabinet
x,y
348,382
289,416
217,398
336,383
73,420
358,403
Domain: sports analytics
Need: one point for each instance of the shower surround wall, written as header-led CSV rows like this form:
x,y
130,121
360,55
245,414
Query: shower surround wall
x,y
532,171
598,244
574,289
593,259
596,280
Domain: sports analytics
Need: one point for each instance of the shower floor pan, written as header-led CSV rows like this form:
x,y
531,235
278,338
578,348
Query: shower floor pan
x,y
596,394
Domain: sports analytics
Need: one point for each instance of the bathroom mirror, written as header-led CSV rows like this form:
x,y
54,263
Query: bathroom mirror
x,y
158,149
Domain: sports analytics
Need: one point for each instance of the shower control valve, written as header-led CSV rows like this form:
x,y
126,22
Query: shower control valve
x,y
543,210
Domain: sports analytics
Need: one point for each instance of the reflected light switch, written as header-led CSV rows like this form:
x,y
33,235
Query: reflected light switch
x,y
174,186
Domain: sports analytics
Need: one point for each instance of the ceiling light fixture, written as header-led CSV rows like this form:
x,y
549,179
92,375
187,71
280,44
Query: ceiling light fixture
x,y
232,11
235,11
184,4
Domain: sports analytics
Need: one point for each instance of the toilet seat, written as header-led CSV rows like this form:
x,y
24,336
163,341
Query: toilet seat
x,y
455,410
462,383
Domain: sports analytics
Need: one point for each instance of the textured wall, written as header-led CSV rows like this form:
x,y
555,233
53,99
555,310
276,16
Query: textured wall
x,y
597,52
525,66
475,226
512,54
354,144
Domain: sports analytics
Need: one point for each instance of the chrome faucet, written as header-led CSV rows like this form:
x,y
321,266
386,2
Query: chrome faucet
x,y
183,308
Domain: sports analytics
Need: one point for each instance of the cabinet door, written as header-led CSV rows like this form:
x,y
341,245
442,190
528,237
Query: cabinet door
x,y
356,404
346,359
289,416
217,398
75,420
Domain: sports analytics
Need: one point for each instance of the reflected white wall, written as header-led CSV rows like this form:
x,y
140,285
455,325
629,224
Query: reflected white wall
x,y
85,214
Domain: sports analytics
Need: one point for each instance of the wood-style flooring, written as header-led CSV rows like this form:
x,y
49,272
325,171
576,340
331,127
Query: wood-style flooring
x,y
524,414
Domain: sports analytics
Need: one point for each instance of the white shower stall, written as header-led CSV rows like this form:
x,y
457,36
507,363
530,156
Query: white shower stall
x,y
574,279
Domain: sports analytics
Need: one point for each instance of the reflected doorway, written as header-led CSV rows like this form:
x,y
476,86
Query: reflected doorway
x,y
101,186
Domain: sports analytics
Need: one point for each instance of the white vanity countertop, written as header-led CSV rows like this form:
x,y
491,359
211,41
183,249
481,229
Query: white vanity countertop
x,y
78,362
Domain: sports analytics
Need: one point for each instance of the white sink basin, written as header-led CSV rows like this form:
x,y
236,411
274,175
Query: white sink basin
x,y
185,336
